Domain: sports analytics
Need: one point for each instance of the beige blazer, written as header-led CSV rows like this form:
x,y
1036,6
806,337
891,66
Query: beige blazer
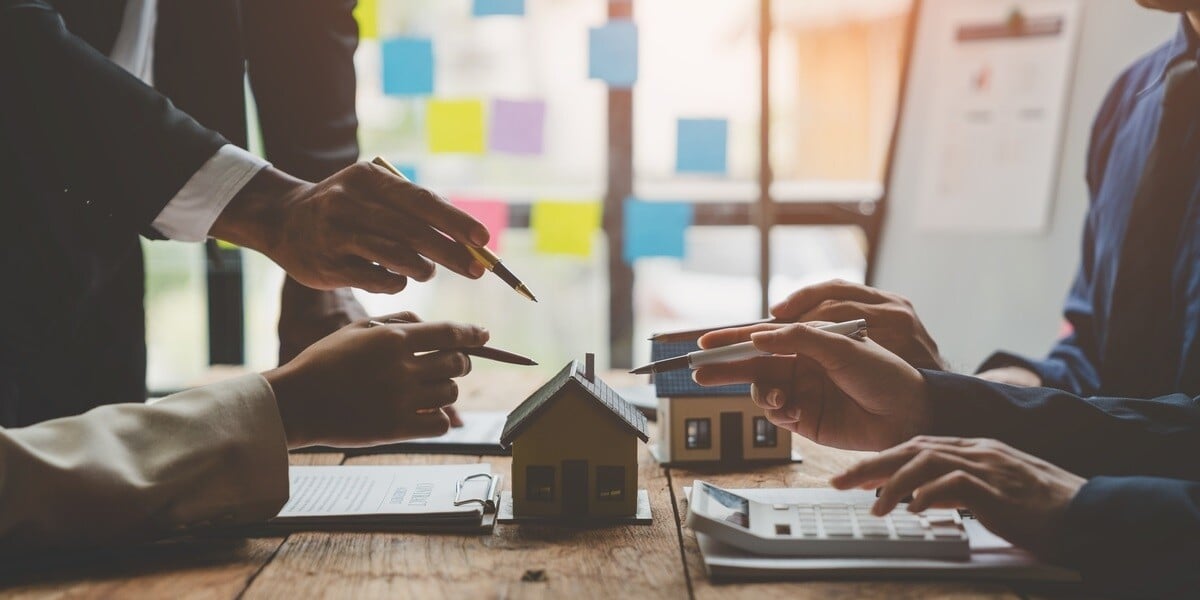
x,y
212,456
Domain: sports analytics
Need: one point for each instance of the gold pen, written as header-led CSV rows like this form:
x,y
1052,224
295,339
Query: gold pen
x,y
482,255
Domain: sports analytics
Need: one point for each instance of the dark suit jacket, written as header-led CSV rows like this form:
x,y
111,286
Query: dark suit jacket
x,y
1134,528
89,156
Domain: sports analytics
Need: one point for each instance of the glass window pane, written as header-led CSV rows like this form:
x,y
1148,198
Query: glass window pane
x,y
176,314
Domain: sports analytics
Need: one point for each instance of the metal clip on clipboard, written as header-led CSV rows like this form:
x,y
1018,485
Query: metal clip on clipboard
x,y
488,502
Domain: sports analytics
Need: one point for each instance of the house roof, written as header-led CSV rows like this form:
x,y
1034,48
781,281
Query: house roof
x,y
573,375
680,383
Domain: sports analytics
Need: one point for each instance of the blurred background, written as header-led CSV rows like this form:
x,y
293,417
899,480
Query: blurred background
x,y
835,68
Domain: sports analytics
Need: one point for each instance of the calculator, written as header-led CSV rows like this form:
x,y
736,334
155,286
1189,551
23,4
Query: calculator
x,y
827,529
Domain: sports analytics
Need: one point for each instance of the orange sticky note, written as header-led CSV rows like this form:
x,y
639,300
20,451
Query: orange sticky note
x,y
565,227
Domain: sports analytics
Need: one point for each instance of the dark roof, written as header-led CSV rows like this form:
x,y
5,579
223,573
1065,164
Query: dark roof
x,y
573,374
680,383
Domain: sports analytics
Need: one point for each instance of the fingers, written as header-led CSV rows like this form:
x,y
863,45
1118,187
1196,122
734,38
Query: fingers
x,y
806,299
431,424
734,335
423,204
439,366
424,337
777,369
394,256
455,418
371,278
872,471
926,466
829,350
433,396
958,489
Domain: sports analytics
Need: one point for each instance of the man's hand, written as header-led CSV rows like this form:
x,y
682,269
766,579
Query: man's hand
x,y
893,320
1019,497
837,391
362,227
1018,376
368,385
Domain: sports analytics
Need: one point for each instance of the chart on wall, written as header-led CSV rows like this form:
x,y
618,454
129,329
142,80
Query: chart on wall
x,y
999,95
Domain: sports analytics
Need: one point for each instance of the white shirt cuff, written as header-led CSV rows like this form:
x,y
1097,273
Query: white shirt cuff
x,y
191,213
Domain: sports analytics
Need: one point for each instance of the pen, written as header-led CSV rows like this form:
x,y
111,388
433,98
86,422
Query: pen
x,y
735,352
686,335
487,352
483,256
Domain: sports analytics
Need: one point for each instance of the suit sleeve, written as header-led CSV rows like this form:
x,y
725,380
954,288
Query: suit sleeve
x,y
300,58
85,125
1089,436
1135,536
213,456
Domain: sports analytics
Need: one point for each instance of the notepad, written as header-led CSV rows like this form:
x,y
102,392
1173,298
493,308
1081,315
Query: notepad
x,y
405,497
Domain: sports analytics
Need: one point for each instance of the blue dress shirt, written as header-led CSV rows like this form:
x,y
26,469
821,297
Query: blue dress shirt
x,y
1122,137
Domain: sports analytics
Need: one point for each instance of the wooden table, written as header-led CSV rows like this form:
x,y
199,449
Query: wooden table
x,y
655,561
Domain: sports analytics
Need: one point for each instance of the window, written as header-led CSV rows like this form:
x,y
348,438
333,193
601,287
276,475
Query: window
x,y
610,483
765,434
699,433
539,484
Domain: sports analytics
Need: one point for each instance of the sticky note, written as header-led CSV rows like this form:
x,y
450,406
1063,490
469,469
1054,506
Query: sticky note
x,y
366,12
455,126
407,66
655,228
564,227
408,171
613,53
487,8
492,213
700,146
516,126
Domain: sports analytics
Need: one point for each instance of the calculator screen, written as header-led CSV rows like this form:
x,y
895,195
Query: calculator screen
x,y
728,507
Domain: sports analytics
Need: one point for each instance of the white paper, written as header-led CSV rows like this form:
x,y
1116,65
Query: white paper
x,y
479,428
353,490
990,152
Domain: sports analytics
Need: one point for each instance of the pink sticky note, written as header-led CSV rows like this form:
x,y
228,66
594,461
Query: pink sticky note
x,y
492,213
517,126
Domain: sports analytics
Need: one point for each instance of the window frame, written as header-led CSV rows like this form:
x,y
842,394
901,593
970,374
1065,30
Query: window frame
x,y
606,471
771,433
533,495
704,425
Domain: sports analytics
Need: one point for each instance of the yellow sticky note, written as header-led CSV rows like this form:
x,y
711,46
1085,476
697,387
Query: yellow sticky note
x,y
455,126
366,12
564,227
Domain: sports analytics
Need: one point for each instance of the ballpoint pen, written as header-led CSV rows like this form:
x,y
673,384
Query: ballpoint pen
x,y
482,255
735,352
487,352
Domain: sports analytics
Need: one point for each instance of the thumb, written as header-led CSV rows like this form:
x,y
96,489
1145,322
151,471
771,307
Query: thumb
x,y
829,350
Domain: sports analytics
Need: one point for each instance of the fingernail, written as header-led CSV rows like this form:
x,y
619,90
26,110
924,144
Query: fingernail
x,y
775,398
476,270
696,379
480,237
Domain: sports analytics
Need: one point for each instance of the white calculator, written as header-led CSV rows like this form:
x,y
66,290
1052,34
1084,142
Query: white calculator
x,y
826,528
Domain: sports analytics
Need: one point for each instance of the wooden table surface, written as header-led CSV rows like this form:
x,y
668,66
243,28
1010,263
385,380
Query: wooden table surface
x,y
638,561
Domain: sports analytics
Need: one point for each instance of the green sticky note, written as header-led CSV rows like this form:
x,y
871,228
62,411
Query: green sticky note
x,y
366,12
564,227
455,126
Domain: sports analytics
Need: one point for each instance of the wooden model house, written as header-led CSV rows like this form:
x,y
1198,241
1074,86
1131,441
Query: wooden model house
x,y
719,425
574,449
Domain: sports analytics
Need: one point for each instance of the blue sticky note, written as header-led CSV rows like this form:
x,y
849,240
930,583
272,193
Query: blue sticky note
x,y
613,53
655,228
701,146
487,8
408,171
407,66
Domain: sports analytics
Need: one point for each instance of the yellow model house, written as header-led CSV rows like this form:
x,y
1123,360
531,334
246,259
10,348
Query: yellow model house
x,y
574,449
714,425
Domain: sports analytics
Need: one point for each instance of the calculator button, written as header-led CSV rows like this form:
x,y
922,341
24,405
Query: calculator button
x,y
779,506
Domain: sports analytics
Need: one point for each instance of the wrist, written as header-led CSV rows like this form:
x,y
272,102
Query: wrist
x,y
252,218
288,401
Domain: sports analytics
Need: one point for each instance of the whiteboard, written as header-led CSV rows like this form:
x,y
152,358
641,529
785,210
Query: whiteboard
x,y
982,291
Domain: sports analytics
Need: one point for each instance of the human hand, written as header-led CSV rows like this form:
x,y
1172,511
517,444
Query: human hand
x,y
893,320
368,385
1019,497
362,227
835,390
307,315
1018,376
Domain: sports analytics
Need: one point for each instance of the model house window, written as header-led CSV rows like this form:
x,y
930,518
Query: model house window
x,y
765,434
610,483
699,433
539,483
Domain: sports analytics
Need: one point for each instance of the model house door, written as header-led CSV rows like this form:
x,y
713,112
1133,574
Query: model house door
x,y
731,437
575,488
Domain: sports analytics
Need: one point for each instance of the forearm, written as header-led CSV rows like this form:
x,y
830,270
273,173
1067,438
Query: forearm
x,y
254,217
212,456
1093,436
1135,536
